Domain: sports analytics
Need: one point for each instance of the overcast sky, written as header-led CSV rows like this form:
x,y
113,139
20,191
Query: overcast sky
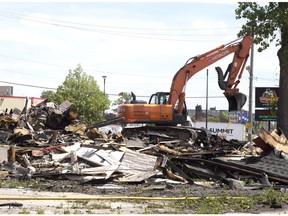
x,y
138,46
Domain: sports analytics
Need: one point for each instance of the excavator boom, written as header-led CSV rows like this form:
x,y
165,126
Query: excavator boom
x,y
168,108
197,63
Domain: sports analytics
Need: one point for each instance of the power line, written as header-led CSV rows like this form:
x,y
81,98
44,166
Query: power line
x,y
111,32
33,86
20,16
42,87
98,71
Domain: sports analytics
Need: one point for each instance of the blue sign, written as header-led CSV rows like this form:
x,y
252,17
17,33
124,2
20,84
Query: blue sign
x,y
242,117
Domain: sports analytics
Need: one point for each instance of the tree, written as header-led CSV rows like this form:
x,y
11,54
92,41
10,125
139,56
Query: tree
x,y
83,92
47,94
264,23
224,116
124,96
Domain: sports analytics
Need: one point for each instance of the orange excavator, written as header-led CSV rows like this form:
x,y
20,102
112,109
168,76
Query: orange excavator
x,y
169,108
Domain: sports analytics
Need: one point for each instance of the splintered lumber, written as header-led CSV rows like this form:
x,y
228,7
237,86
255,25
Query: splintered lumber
x,y
269,139
262,145
28,164
168,150
281,139
74,162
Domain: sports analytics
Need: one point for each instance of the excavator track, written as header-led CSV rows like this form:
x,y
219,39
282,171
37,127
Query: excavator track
x,y
198,135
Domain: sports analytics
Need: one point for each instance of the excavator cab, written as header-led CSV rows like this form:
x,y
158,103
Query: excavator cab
x,y
236,100
159,98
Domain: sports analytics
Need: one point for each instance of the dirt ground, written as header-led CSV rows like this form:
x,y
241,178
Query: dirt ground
x,y
68,197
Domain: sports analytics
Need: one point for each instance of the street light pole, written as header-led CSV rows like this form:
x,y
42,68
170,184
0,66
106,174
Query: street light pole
x,y
104,78
250,70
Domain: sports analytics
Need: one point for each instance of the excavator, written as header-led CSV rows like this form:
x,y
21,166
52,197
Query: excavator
x,y
169,108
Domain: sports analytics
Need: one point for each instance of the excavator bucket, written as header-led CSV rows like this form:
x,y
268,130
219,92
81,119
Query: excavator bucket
x,y
236,101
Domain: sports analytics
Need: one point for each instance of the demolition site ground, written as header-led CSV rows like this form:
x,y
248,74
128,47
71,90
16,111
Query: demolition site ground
x,y
68,197
52,163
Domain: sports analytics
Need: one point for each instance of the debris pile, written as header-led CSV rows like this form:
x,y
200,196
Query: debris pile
x,y
50,141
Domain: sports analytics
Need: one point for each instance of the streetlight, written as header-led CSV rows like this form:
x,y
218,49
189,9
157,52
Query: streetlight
x,y
104,78
249,69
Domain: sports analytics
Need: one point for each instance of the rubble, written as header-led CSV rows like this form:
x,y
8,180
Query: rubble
x,y
49,141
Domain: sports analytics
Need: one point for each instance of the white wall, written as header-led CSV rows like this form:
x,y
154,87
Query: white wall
x,y
12,102
230,130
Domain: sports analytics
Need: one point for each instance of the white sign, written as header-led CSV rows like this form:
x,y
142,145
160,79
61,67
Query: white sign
x,y
228,130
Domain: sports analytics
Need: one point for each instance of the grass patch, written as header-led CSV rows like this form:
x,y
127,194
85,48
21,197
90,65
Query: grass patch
x,y
155,206
224,204
99,206
40,211
24,211
14,183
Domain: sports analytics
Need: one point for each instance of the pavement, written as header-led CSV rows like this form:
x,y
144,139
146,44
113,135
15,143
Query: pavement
x,y
26,201
38,202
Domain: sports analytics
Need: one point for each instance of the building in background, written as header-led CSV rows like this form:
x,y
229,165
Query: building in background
x,y
8,102
6,90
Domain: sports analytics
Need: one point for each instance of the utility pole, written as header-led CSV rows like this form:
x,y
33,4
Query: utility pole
x,y
250,70
207,101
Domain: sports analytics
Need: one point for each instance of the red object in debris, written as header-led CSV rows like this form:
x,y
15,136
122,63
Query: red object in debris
x,y
48,149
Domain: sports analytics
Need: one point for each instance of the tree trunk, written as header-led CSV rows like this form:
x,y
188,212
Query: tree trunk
x,y
282,112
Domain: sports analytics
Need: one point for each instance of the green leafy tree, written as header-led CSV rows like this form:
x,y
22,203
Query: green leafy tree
x,y
265,23
212,119
84,93
47,94
123,96
224,116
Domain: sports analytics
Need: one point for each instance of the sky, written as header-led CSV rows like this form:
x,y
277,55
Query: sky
x,y
138,46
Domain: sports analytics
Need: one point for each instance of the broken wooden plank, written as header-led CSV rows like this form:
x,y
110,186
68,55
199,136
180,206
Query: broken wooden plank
x,y
173,176
268,138
280,138
12,153
169,163
168,150
28,164
74,162
261,144
4,174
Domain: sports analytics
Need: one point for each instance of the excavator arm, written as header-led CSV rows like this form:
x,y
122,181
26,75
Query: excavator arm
x,y
234,72
160,112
